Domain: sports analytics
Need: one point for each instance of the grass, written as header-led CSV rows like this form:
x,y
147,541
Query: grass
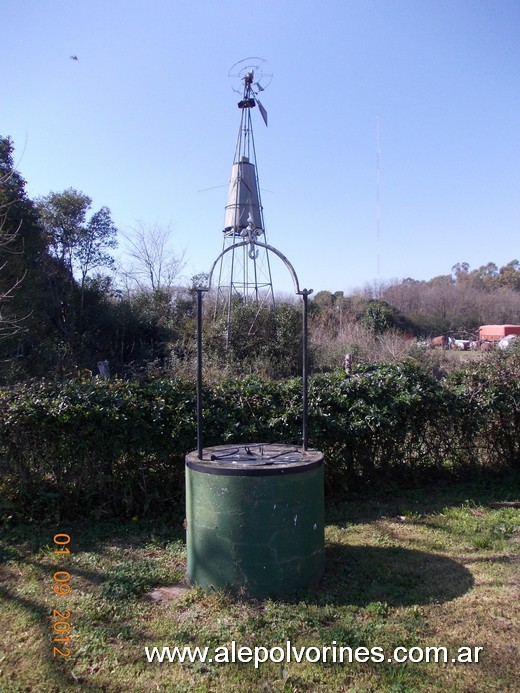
x,y
412,568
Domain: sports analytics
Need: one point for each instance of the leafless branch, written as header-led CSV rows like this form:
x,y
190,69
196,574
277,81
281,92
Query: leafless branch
x,y
153,263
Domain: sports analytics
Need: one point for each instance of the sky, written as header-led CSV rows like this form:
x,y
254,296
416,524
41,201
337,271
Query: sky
x,y
392,149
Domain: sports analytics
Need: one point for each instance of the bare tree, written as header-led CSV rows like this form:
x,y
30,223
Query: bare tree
x,y
9,325
152,261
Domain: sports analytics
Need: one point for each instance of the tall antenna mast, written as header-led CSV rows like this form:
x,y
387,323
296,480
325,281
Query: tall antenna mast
x,y
378,199
245,273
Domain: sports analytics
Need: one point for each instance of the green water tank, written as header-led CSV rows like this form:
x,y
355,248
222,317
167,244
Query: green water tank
x,y
255,518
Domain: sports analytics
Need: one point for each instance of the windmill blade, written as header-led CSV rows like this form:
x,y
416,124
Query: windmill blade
x,y
259,86
262,111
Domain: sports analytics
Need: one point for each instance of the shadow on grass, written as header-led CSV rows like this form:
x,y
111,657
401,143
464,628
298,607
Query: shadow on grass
x,y
360,575
393,499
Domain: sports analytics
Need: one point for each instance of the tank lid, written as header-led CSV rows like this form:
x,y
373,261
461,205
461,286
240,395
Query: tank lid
x,y
258,454
254,458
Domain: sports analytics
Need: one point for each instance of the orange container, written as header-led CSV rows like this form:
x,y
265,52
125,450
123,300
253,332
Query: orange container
x,y
494,333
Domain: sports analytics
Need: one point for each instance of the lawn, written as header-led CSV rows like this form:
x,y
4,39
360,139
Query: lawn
x,y
414,568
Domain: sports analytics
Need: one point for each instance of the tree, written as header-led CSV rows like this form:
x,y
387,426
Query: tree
x,y
485,276
153,263
325,300
460,271
80,245
378,316
509,275
8,325
77,247
21,245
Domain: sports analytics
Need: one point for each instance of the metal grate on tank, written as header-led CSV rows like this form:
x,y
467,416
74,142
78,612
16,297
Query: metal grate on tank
x,y
257,455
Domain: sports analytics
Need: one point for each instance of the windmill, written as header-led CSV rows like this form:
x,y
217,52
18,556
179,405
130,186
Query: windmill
x,y
244,274
267,486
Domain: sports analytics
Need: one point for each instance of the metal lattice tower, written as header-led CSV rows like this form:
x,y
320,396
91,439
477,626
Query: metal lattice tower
x,y
244,274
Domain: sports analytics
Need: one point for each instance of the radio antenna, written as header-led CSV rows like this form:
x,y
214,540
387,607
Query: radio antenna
x,y
378,197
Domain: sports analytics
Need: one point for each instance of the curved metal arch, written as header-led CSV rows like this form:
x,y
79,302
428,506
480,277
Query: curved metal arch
x,y
242,244
304,293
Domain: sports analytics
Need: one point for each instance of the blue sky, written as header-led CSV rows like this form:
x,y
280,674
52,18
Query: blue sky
x,y
146,119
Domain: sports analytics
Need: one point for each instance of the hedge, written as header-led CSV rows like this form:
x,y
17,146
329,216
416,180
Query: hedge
x,y
117,447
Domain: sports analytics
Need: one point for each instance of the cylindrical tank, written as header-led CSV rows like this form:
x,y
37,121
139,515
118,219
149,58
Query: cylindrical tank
x,y
243,201
255,518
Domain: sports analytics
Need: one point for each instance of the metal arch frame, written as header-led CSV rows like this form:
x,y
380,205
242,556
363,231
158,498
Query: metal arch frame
x,y
267,247
304,293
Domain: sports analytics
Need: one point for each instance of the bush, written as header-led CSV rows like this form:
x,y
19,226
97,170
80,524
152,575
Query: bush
x,y
118,447
96,445
490,392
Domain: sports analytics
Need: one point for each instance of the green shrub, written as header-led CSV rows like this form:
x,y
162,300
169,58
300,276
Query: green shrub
x,y
109,445
118,447
490,392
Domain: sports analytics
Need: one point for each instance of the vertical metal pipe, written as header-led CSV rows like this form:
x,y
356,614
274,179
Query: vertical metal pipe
x,y
305,436
199,373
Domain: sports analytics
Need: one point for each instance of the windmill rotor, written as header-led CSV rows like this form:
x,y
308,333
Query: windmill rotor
x,y
254,76
257,67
